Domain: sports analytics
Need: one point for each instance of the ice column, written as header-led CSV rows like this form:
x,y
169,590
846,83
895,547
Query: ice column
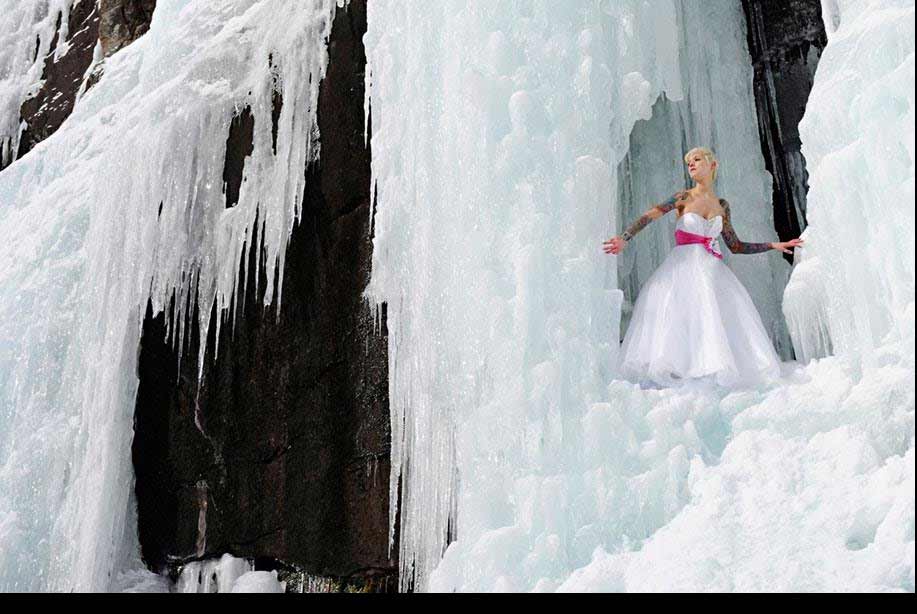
x,y
853,286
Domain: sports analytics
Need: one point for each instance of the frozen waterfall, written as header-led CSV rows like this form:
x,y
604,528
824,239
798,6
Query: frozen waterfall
x,y
509,139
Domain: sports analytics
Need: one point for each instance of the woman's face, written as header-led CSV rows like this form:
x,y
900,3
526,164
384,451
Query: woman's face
x,y
699,168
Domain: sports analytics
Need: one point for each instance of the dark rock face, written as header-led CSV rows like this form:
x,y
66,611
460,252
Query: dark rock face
x,y
786,40
122,22
112,23
239,145
282,453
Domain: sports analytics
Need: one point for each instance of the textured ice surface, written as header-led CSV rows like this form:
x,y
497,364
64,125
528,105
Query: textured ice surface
x,y
499,130
853,288
122,204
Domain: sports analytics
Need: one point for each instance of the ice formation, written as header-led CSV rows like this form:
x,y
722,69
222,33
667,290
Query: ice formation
x,y
124,204
227,575
504,152
853,289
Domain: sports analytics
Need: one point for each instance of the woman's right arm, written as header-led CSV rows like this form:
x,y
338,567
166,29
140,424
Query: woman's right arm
x,y
617,244
653,214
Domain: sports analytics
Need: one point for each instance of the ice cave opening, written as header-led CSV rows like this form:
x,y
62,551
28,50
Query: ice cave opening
x,y
652,169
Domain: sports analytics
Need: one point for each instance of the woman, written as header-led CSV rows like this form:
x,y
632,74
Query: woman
x,y
693,318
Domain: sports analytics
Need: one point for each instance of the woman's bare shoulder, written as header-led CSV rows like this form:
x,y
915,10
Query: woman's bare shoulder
x,y
680,198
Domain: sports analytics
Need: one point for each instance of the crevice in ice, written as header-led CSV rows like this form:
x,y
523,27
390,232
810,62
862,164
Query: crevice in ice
x,y
651,171
785,41
276,102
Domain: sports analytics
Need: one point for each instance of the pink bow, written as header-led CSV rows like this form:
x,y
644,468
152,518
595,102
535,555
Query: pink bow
x,y
688,238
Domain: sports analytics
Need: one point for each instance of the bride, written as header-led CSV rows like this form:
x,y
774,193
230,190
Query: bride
x,y
693,318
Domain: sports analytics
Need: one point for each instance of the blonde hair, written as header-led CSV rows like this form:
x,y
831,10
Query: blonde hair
x,y
708,155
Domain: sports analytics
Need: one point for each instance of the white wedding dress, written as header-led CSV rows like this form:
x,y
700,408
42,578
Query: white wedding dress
x,y
694,319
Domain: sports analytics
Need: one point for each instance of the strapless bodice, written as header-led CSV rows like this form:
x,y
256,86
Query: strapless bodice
x,y
698,225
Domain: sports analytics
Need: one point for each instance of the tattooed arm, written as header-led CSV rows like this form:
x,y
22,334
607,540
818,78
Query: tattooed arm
x,y
736,245
616,245
653,214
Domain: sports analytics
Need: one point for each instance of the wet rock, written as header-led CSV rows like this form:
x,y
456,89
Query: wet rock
x,y
122,22
61,78
786,40
111,24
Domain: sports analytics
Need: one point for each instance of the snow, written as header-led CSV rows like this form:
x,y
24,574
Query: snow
x,y
813,492
259,582
226,575
85,246
498,134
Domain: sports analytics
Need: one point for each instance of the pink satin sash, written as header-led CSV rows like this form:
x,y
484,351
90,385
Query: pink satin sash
x,y
689,238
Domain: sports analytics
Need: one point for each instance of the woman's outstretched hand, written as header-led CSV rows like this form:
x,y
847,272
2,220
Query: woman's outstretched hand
x,y
614,246
789,246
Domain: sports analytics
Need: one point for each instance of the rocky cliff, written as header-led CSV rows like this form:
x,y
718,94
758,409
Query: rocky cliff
x,y
786,40
281,453
109,25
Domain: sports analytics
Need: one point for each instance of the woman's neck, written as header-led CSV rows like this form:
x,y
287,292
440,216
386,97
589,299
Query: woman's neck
x,y
703,188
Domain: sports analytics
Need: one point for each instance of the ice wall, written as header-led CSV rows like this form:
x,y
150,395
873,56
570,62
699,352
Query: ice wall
x,y
853,287
491,211
498,129
122,205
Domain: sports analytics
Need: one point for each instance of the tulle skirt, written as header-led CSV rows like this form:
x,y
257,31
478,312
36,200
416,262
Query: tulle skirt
x,y
695,320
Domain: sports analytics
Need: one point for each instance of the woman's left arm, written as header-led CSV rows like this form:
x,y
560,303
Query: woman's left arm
x,y
732,240
738,246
